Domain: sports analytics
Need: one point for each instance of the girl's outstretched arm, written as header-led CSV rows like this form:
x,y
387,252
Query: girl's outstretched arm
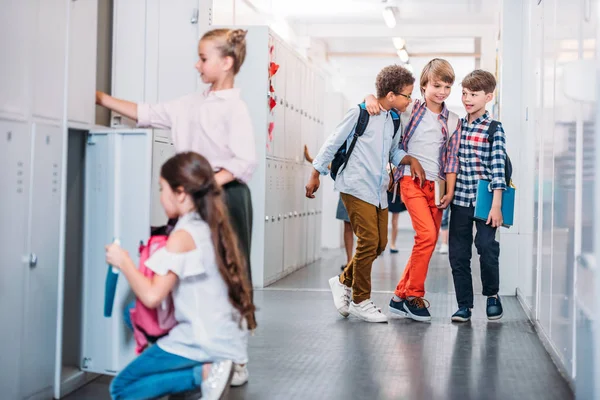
x,y
123,107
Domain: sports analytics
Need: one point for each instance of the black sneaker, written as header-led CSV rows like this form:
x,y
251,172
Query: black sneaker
x,y
462,315
494,308
343,267
397,307
417,309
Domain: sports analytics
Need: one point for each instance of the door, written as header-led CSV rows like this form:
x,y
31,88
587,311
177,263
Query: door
x,y
117,205
15,152
161,152
82,61
177,48
41,288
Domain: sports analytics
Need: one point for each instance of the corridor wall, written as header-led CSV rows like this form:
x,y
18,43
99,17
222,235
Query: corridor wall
x,y
548,100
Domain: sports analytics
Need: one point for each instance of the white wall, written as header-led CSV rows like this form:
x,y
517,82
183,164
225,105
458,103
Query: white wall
x,y
550,137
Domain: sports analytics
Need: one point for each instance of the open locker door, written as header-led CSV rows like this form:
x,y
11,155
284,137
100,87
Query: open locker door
x,y
117,206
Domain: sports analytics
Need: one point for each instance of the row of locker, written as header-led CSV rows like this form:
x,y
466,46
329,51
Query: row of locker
x,y
292,222
29,92
31,181
299,95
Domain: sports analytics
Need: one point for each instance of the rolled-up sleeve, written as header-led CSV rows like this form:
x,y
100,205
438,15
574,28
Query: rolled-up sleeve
x,y
339,136
242,144
452,164
498,159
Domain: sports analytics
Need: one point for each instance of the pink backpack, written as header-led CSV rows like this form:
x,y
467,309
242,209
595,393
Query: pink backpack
x,y
152,322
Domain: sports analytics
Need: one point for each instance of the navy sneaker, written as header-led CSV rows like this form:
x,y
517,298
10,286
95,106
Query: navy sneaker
x,y
462,315
494,308
394,251
397,307
417,309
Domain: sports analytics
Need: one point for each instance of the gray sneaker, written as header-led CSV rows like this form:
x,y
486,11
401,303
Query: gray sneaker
x,y
215,386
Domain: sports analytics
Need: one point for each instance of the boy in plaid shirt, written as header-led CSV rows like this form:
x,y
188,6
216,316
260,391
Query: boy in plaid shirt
x,y
477,161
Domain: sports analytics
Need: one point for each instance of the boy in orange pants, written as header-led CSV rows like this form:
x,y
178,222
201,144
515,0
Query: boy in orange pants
x,y
432,139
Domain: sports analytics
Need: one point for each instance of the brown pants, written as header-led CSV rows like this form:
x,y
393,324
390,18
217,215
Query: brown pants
x,y
369,224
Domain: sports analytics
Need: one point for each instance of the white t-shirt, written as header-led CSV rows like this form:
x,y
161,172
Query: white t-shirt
x,y
208,325
425,145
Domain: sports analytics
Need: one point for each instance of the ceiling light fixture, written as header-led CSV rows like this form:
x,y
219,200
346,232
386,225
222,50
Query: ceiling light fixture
x,y
403,54
389,16
399,43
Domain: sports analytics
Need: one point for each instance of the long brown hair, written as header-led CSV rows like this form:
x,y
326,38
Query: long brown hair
x,y
192,173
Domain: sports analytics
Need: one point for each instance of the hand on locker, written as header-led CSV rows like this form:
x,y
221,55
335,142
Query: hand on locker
x,y
115,255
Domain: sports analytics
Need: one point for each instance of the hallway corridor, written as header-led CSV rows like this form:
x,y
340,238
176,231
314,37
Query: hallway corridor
x,y
304,350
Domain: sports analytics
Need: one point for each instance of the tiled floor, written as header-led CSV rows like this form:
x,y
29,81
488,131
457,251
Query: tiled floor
x,y
304,350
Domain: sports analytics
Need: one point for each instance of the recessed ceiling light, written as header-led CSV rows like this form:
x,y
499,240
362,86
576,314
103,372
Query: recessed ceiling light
x,y
403,54
389,16
398,43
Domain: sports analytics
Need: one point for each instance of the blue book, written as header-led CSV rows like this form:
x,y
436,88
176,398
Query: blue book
x,y
483,203
110,287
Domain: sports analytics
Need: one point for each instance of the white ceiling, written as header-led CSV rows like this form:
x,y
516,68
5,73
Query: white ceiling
x,y
358,43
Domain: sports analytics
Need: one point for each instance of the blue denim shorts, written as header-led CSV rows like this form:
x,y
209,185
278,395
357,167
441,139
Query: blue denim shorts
x,y
342,213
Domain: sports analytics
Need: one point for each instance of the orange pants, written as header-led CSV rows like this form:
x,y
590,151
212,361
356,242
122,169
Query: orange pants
x,y
426,220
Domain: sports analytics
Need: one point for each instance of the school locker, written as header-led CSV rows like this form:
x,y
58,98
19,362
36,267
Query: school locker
x,y
82,61
16,23
174,22
269,220
117,206
162,150
39,333
48,64
281,77
15,168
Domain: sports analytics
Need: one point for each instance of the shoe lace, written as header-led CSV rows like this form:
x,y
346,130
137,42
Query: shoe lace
x,y
419,302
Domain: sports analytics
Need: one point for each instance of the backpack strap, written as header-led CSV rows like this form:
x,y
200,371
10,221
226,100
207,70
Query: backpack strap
x,y
361,126
492,128
396,120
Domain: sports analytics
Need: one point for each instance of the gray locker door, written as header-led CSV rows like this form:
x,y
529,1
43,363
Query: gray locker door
x,y
15,153
41,293
162,150
117,205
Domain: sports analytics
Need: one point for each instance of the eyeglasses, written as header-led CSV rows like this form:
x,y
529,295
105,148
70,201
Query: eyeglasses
x,y
408,96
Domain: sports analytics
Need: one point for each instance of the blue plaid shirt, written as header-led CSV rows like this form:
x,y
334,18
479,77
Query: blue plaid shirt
x,y
475,161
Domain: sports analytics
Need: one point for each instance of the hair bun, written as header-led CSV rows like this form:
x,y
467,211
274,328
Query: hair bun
x,y
236,36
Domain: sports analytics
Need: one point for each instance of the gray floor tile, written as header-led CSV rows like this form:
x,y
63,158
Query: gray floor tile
x,y
303,349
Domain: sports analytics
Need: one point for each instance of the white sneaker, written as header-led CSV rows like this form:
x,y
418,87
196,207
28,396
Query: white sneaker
x,y
240,375
341,295
443,249
215,386
367,311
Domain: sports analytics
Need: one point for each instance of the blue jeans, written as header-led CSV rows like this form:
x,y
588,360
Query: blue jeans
x,y
156,373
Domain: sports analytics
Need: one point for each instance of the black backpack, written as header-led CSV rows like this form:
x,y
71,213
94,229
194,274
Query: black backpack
x,y
508,169
343,155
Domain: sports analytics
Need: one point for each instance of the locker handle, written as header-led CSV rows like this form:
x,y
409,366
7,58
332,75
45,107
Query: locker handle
x,y
267,218
33,259
194,19
279,217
